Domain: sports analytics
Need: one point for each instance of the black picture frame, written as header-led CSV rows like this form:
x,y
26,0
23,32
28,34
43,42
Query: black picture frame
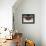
x,y
28,18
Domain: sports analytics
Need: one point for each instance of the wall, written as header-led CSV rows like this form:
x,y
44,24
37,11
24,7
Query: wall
x,y
6,18
43,22
30,31
6,13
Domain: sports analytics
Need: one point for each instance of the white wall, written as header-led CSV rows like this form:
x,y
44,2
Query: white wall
x,y
31,31
6,13
43,22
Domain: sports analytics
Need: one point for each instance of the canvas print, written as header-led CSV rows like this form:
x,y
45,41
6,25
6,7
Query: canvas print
x,y
28,18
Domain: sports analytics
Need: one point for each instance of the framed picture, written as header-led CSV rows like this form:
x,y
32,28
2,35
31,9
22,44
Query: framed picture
x,y
28,18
